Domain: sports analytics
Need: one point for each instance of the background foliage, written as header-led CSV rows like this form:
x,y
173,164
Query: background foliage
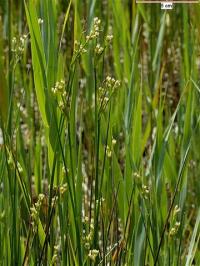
x,y
99,133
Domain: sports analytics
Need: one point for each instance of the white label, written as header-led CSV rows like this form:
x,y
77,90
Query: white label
x,y
166,5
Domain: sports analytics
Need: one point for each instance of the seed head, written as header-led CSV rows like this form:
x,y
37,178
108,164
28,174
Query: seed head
x,y
109,38
40,21
93,254
98,49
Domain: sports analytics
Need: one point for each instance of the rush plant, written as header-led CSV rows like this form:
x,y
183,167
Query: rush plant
x,y
99,133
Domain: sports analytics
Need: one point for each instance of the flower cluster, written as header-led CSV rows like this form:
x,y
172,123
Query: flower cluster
x,y
108,151
18,44
54,201
35,209
79,48
55,254
59,87
145,191
88,232
95,30
174,229
59,90
93,254
175,224
106,91
109,38
63,189
113,141
111,82
40,21
99,49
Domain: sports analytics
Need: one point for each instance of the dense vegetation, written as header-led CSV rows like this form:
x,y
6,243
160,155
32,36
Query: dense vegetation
x,y
99,133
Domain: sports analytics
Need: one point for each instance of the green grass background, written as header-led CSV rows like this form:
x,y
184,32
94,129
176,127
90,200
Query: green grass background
x,y
118,199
